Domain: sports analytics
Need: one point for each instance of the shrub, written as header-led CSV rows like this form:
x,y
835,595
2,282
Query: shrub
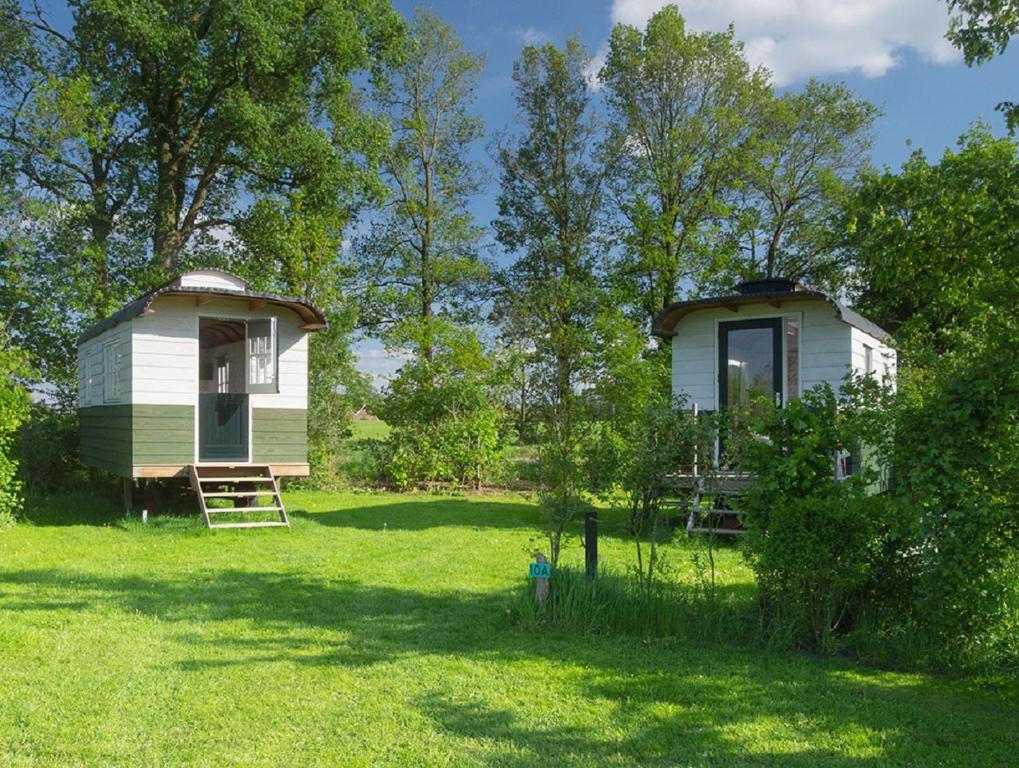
x,y
958,474
14,409
448,423
47,450
817,544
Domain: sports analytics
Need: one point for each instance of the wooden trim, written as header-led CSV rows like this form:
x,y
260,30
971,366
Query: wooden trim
x,y
257,304
313,326
181,470
204,298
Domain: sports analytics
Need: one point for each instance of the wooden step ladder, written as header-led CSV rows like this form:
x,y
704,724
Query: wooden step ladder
x,y
720,490
245,484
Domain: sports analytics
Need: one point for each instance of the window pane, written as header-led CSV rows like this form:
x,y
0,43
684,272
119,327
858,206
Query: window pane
x,y
792,357
262,355
751,365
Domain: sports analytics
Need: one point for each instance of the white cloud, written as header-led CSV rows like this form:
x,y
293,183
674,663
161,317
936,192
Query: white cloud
x,y
796,39
378,362
532,36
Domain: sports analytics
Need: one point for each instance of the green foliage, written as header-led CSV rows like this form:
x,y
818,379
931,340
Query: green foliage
x,y
549,206
817,544
14,409
447,424
683,110
953,227
982,29
421,256
958,473
47,450
950,291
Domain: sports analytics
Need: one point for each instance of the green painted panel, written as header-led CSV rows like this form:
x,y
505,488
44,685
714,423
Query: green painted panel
x,y
116,437
163,434
279,435
104,437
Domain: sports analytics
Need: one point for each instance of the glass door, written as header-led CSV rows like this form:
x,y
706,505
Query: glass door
x,y
749,365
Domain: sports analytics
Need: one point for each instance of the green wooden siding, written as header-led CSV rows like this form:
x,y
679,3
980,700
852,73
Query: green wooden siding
x,y
116,437
163,434
105,438
279,435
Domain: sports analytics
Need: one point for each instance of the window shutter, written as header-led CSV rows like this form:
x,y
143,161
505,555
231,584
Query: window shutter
x,y
262,357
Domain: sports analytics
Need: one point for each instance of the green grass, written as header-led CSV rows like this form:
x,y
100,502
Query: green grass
x,y
369,429
377,632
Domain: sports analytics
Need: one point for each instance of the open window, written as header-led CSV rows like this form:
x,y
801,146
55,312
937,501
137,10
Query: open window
x,y
262,354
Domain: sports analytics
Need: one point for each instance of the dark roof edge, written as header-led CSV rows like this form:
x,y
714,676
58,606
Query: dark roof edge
x,y
663,328
310,314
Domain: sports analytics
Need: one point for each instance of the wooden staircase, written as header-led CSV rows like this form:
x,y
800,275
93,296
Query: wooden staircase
x,y
711,501
245,484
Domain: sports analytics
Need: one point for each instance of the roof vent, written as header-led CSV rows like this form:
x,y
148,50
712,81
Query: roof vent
x,y
767,285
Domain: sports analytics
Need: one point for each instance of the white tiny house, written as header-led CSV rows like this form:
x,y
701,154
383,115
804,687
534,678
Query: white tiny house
x,y
771,337
199,371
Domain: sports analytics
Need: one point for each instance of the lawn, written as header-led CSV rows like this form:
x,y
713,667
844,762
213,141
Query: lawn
x,y
375,632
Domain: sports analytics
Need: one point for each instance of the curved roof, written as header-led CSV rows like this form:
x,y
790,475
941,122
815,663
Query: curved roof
x,y
772,291
312,317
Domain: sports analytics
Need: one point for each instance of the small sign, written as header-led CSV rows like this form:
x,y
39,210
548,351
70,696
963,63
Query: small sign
x,y
540,570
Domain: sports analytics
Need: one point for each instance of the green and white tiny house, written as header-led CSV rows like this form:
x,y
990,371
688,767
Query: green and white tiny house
x,y
197,372
771,337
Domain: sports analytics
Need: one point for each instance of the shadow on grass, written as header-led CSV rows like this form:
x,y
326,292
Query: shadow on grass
x,y
669,702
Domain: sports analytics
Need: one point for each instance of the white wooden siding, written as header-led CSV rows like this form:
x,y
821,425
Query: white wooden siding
x,y
201,278
885,360
166,352
825,347
91,368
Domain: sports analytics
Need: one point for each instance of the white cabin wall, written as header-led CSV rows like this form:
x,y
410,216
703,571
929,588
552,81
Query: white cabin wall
x,y
211,279
885,358
166,353
694,356
91,368
825,347
166,370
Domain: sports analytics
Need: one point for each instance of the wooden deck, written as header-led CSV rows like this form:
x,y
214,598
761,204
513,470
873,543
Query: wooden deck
x,y
182,470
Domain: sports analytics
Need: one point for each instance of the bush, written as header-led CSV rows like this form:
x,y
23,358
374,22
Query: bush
x,y
817,544
448,423
14,409
958,474
47,450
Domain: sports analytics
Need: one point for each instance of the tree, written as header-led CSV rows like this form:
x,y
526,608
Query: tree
x,y
936,252
76,157
422,257
981,29
295,246
934,245
448,424
810,144
141,130
549,206
219,95
683,106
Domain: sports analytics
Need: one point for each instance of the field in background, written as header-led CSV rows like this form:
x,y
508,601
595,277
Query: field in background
x,y
378,631
369,429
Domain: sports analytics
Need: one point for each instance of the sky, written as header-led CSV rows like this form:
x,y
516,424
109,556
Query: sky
x,y
891,52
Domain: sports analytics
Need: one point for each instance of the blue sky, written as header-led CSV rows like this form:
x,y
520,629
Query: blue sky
x,y
891,52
